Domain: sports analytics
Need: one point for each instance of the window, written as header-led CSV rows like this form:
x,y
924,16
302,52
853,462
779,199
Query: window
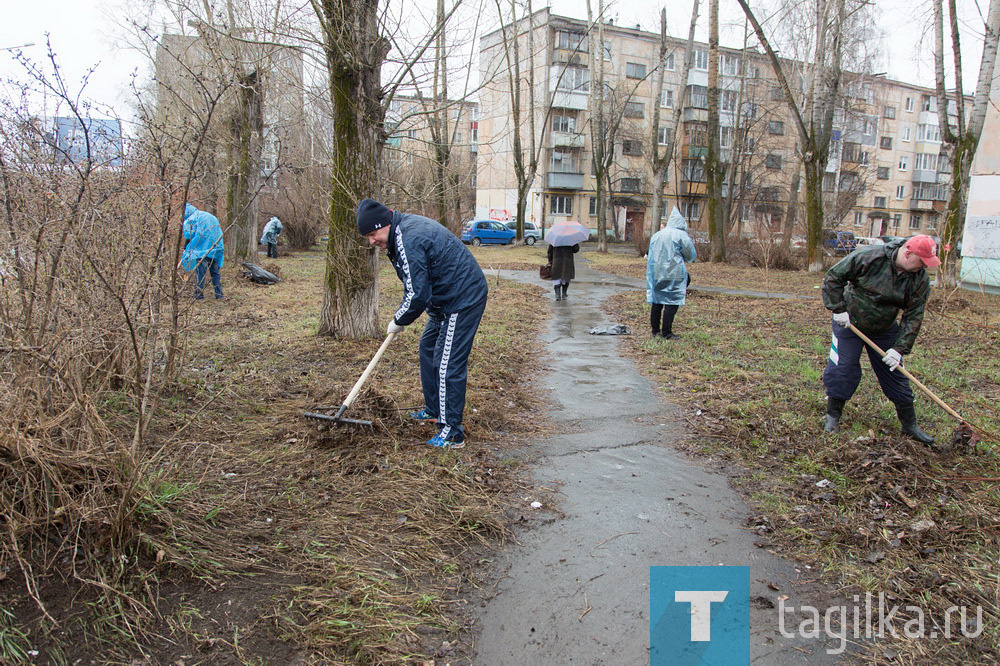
x,y
632,148
880,202
928,133
562,205
668,62
564,163
829,182
573,78
730,64
909,104
607,51
750,111
699,59
690,210
563,123
849,182
751,144
885,143
745,212
929,192
693,170
905,134
851,152
697,97
889,112
773,161
726,137
635,110
925,161
458,138
928,103
696,134
858,218
474,133
630,184
663,136
864,157
904,162
914,220
572,40
771,194
727,101
896,220
667,99
900,191
883,173
635,70
777,94
593,206
753,72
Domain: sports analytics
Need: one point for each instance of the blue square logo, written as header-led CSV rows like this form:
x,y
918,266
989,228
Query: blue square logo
x,y
699,615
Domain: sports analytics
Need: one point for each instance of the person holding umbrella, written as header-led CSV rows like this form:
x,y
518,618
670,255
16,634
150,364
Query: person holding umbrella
x,y
666,274
564,241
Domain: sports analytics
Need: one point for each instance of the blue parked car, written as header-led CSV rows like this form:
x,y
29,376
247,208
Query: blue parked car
x,y
487,231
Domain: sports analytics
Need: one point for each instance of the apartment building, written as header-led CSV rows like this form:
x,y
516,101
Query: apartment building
x,y
415,126
885,175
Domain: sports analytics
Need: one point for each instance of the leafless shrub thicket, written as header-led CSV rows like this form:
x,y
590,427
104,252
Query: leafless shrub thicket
x,y
87,255
302,205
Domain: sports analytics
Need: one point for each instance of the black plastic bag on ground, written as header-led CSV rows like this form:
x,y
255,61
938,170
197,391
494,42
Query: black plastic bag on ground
x,y
255,273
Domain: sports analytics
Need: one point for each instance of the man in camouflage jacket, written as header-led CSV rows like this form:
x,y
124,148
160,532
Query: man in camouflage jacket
x,y
869,288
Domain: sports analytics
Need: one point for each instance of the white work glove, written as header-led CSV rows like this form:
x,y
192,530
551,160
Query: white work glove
x,y
841,319
893,359
393,327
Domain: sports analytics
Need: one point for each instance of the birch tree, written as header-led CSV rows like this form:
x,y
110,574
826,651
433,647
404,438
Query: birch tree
x,y
962,138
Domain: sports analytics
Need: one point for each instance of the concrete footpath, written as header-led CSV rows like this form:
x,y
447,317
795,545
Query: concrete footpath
x,y
576,588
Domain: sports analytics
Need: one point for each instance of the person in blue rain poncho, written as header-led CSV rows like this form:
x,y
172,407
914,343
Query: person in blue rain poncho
x,y
205,250
269,237
666,274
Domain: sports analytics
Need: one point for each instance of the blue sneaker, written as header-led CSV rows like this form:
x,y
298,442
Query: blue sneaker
x,y
423,415
439,442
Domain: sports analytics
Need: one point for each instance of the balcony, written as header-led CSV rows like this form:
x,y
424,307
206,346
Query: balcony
x,y
695,114
567,139
693,188
925,176
926,205
557,180
565,99
571,56
693,151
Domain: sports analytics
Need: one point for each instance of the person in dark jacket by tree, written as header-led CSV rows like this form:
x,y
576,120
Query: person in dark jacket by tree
x,y
563,268
439,276
868,288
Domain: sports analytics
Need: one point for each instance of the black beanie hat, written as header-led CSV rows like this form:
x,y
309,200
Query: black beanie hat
x,y
372,215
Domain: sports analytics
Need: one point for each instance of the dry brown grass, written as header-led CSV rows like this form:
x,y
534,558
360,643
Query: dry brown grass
x,y
332,545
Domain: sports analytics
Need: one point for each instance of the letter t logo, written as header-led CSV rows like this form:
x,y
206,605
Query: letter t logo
x,y
701,610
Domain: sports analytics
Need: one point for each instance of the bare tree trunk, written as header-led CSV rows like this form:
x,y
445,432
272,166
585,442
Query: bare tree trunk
x,y
713,166
354,52
961,141
247,130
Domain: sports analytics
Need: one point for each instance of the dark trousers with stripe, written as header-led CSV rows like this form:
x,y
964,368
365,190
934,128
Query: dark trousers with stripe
x,y
444,365
843,371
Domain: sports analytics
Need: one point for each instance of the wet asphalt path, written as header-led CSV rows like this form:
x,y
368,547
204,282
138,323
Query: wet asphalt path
x,y
576,589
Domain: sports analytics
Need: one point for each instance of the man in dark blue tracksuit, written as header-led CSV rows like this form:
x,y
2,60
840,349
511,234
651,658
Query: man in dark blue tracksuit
x,y
441,276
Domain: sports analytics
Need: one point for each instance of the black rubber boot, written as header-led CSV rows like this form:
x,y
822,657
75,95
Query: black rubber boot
x,y
908,418
834,409
565,287
558,292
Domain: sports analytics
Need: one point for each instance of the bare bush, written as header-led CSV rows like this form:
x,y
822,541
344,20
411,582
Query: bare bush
x,y
88,252
301,204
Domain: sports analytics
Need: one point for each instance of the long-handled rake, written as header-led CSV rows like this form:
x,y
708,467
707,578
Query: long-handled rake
x,y
339,416
964,429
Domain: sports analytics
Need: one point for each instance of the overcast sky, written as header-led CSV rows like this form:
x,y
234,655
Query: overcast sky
x,y
84,37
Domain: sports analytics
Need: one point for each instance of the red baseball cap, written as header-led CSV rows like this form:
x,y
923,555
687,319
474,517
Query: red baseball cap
x,y
924,247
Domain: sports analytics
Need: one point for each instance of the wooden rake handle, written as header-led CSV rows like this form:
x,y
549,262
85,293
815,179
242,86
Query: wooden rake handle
x,y
364,375
941,403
